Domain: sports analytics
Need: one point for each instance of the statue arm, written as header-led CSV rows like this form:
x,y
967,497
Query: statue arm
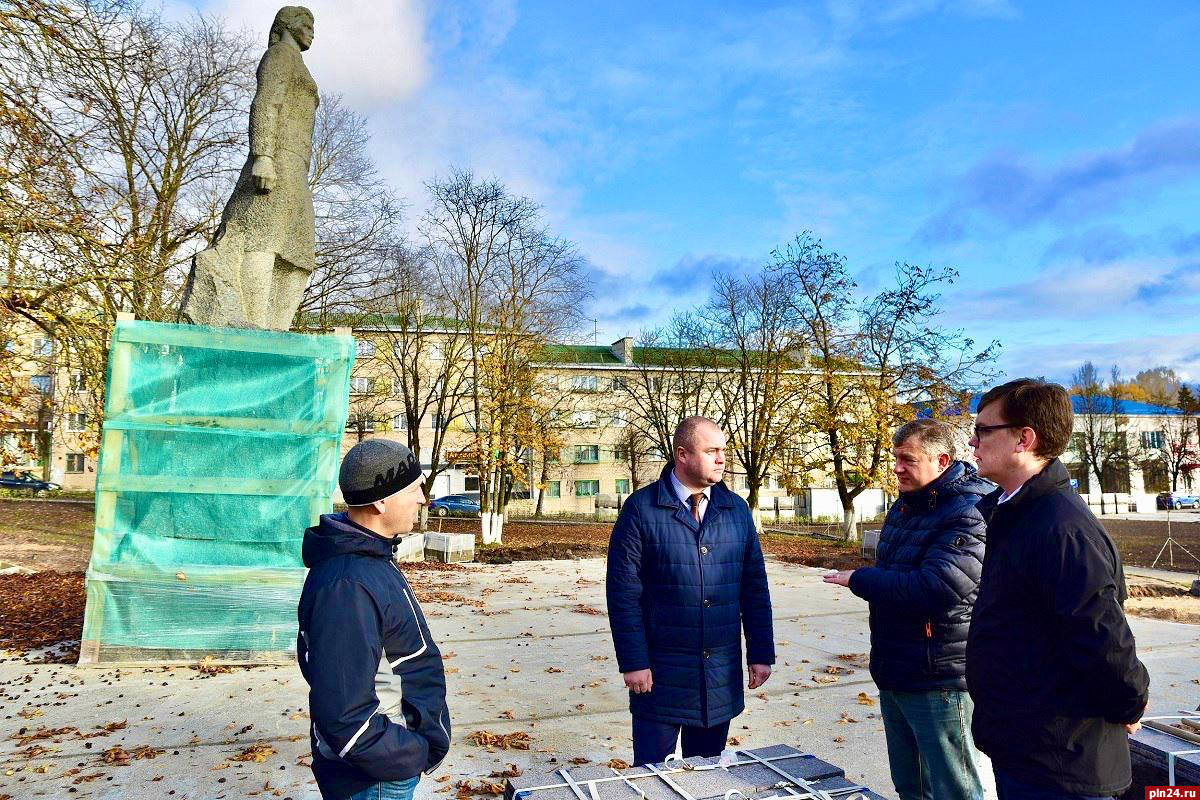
x,y
265,113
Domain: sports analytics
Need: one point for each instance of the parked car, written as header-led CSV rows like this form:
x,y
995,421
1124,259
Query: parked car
x,y
25,481
453,503
1178,501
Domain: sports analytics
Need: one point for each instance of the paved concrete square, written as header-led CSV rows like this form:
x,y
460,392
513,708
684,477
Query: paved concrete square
x,y
531,659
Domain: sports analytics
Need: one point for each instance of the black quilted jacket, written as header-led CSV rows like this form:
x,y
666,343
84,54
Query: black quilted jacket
x,y
924,583
679,597
1051,662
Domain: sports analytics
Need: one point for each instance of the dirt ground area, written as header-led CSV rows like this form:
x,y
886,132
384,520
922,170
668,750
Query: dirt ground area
x,y
54,539
46,535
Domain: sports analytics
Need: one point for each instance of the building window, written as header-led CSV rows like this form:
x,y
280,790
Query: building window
x,y
587,453
75,462
620,453
584,419
40,383
656,385
77,384
1153,440
362,385
585,383
471,483
364,423
1154,476
43,347
436,352
622,485
620,383
440,421
587,488
76,423
399,422
620,419
553,489
364,348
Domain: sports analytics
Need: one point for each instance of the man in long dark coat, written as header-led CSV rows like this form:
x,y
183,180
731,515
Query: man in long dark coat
x,y
685,578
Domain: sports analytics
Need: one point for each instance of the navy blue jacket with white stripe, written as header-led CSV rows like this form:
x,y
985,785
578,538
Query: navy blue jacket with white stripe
x,y
377,691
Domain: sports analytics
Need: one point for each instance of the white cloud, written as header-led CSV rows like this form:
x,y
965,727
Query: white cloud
x,y
372,53
1058,360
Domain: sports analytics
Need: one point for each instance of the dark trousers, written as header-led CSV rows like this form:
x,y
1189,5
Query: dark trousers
x,y
1009,788
654,741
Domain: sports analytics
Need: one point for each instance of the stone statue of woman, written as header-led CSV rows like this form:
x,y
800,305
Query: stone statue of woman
x,y
258,266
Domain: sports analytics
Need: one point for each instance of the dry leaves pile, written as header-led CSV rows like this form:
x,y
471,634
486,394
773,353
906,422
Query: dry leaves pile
x,y
257,753
40,610
468,789
582,609
617,763
439,596
118,756
520,740
209,667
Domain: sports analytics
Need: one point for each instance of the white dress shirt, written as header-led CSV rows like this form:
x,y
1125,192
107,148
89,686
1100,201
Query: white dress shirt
x,y
685,495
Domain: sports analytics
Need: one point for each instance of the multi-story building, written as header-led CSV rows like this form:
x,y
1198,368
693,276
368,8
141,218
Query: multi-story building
x,y
47,428
588,388
1137,442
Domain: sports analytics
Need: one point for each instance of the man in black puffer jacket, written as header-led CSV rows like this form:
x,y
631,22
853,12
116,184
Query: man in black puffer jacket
x,y
1051,662
921,591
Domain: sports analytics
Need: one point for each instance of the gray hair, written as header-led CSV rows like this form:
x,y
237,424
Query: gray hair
x,y
934,436
685,432
285,19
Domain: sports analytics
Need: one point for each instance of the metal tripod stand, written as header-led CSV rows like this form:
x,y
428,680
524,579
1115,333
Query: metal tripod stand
x,y
1169,547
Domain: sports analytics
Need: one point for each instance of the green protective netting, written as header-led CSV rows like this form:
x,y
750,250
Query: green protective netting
x,y
220,446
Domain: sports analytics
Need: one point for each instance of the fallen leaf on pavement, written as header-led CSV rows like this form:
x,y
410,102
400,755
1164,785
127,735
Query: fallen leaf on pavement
x,y
506,741
258,753
865,700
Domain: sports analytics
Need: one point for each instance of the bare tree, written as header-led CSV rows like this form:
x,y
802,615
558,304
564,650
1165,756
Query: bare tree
x,y
674,377
357,219
763,379
116,127
421,352
515,288
874,360
1175,451
1102,441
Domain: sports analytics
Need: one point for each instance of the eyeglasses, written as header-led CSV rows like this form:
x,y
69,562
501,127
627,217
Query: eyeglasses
x,y
982,429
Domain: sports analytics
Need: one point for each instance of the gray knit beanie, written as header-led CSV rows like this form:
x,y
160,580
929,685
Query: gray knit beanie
x,y
375,469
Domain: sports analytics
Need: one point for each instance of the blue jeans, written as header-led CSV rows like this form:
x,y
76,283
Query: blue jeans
x,y
929,744
654,741
388,790
1009,788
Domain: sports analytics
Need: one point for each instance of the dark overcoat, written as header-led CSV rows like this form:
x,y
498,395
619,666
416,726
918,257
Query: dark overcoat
x,y
1051,662
924,582
680,595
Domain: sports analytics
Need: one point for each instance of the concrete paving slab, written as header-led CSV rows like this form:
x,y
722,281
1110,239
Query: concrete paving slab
x,y
533,659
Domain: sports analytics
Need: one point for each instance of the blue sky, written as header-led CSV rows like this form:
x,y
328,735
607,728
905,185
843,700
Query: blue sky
x,y
1048,151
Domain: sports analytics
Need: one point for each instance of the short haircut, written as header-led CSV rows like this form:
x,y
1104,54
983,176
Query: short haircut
x,y
285,18
934,436
1034,403
685,432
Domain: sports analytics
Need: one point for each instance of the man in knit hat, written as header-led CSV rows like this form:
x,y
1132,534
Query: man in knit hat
x,y
377,692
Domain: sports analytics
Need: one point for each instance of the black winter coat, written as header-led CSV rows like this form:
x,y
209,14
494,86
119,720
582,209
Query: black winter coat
x,y
679,596
924,582
1051,663
377,691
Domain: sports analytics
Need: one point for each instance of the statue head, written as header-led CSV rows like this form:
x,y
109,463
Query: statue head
x,y
296,20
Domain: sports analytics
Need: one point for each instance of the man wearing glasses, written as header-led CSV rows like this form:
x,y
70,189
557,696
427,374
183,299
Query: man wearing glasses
x,y
1051,662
